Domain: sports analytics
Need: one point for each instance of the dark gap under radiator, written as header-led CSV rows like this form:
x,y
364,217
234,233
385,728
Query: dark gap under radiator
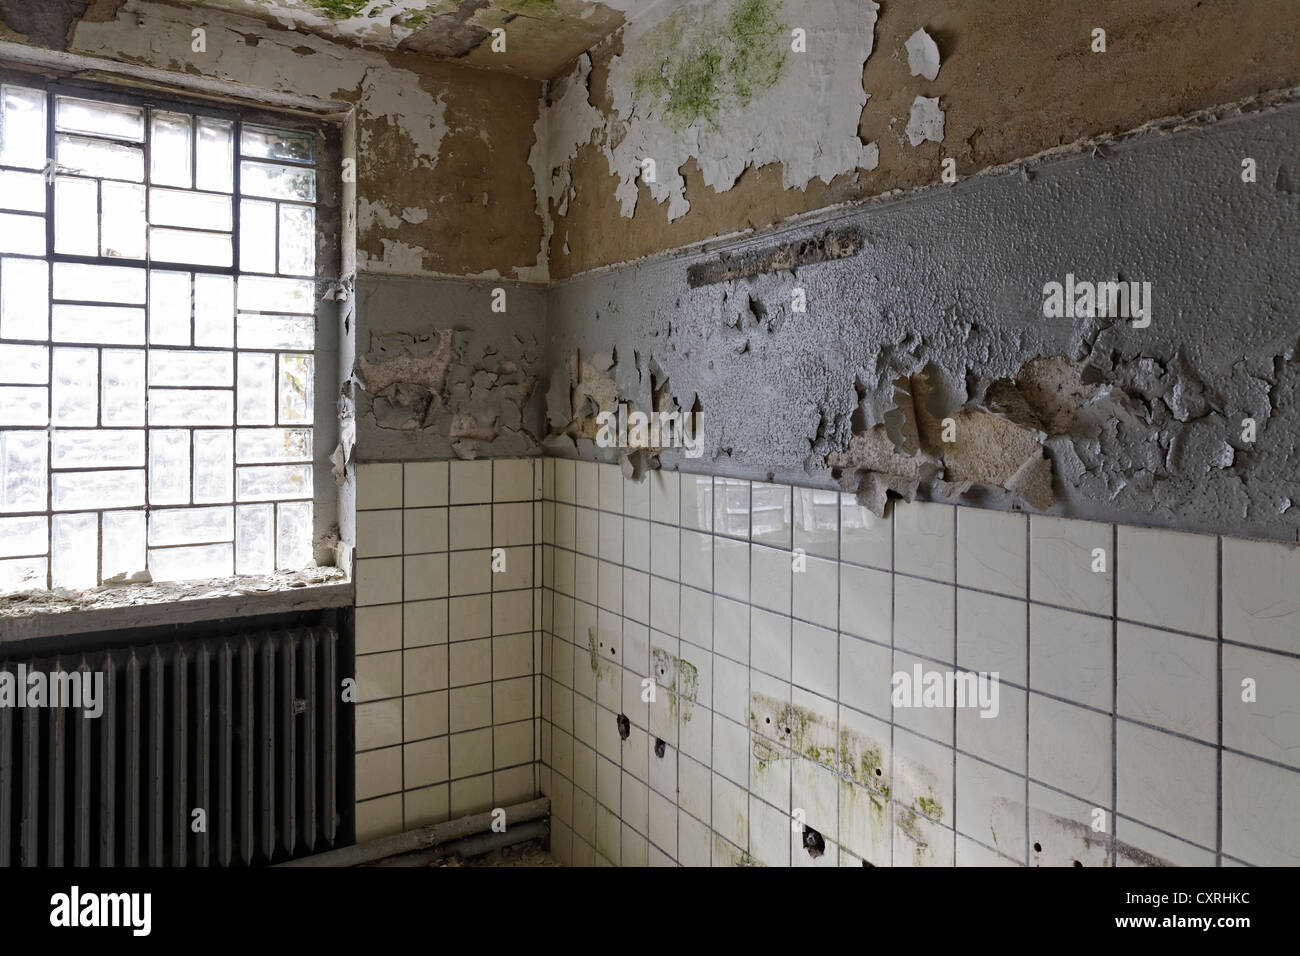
x,y
246,726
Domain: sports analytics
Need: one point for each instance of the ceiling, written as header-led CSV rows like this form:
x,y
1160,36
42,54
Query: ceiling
x,y
542,36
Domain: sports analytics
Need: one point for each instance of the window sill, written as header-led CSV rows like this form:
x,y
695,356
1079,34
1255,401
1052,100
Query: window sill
x,y
39,614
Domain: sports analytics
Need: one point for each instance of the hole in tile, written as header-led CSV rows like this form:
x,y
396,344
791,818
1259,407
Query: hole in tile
x,y
813,842
1038,848
624,726
1077,863
872,865
661,747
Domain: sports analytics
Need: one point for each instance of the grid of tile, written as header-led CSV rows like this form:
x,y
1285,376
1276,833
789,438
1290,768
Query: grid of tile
x,y
447,639
1145,681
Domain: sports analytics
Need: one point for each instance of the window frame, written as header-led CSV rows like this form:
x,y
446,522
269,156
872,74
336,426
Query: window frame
x,y
328,314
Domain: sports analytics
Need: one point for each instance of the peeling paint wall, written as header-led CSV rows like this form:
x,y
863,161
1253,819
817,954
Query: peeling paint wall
x,y
1014,80
442,181
1143,425
439,374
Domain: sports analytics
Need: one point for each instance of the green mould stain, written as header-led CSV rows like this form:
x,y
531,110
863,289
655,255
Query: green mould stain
x,y
693,79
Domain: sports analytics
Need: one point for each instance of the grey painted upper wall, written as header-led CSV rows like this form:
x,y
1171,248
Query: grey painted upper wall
x,y
436,366
955,277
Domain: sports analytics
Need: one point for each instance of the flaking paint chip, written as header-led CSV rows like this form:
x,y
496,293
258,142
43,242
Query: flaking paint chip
x,y
926,121
922,55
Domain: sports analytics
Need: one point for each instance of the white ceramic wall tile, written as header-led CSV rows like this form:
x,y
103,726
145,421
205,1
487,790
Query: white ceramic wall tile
x,y
1071,655
1259,801
1070,749
770,516
991,551
1169,579
1261,603
512,479
1260,690
925,540
864,537
379,533
1160,781
1062,555
816,520
1167,679
470,482
749,635
379,486
696,502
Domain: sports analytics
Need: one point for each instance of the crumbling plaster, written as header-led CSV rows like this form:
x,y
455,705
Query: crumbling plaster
x,y
1016,79
1146,427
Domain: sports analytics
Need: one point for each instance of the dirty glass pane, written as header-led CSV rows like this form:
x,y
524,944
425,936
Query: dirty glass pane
x,y
184,367
75,380
277,182
293,538
256,389
257,294
214,161
22,191
186,564
20,537
191,526
261,445
112,120
22,574
185,406
169,308
169,150
75,490
23,458
174,207
297,240
122,372
22,127
276,331
265,142
22,234
255,539
98,283
24,405
214,311
101,324
214,466
256,236
24,364
124,548
199,248
169,467
97,448
295,389
75,553
97,157
268,482
24,299
123,217
76,216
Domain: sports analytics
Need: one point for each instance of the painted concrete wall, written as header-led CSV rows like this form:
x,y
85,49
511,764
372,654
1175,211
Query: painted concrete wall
x,y
952,282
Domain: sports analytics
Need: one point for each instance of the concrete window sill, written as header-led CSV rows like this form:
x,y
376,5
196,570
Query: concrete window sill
x,y
42,614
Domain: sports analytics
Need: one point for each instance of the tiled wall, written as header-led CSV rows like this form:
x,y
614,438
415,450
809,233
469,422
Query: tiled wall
x,y
447,687
771,620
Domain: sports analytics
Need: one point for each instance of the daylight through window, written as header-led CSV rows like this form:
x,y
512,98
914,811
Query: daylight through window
x,y
156,336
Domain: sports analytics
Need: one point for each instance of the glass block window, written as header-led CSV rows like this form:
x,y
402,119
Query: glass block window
x,y
157,302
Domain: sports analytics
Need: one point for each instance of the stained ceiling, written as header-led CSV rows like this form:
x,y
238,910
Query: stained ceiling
x,y
542,36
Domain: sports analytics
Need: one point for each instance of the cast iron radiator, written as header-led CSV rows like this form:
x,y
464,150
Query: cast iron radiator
x,y
243,727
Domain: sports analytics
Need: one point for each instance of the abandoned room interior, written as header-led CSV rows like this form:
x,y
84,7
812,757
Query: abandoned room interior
x,y
781,433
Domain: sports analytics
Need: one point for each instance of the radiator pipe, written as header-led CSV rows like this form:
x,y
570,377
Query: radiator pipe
x,y
428,837
472,846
